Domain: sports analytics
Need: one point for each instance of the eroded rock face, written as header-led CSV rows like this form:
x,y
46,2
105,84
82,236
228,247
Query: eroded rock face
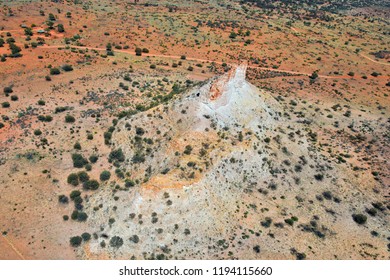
x,y
234,100
234,78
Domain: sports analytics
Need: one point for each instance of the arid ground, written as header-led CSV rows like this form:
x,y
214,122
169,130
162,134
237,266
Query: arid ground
x,y
194,129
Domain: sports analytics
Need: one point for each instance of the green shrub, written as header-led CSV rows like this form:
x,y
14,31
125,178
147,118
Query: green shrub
x,y
82,216
359,218
75,241
67,67
60,28
91,185
93,158
74,194
116,242
138,51
54,71
105,175
5,104
129,183
139,131
69,119
86,236
37,132
63,199
8,90
319,177
138,158
134,239
78,200
83,176
188,150
77,146
116,155
78,161
233,35
119,173
289,221
52,17
79,216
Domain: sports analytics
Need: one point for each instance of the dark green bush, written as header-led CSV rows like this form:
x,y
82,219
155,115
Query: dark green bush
x,y
138,158
79,161
105,175
8,90
60,28
69,119
73,179
54,71
319,177
63,199
88,167
67,67
359,218
91,185
116,155
86,236
82,217
188,150
129,183
93,158
83,176
138,51
289,221
77,146
5,104
116,242
74,194
134,239
79,216
37,132
75,241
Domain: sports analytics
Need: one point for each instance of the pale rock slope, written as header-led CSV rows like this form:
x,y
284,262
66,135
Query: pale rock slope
x,y
219,173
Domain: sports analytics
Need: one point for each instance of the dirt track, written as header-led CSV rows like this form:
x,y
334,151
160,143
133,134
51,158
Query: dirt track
x,y
218,62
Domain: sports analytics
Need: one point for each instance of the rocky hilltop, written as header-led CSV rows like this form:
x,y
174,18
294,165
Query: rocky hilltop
x,y
221,173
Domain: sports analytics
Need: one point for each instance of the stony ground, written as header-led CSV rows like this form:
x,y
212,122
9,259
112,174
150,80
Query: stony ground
x,y
176,153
